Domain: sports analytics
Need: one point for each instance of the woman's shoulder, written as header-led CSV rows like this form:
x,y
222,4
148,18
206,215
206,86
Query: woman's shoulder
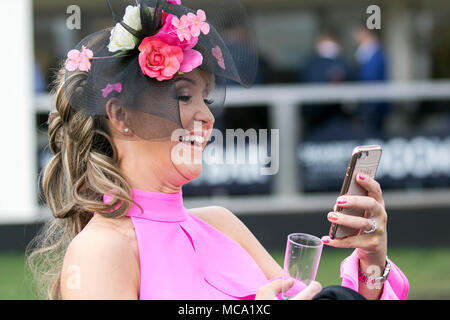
x,y
109,233
221,219
100,252
100,233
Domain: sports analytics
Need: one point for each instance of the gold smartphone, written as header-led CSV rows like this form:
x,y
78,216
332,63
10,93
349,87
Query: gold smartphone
x,y
364,159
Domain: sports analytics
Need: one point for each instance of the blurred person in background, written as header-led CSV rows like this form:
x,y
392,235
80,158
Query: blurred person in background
x,y
372,66
326,65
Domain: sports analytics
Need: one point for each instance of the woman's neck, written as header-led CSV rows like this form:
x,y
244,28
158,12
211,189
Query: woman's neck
x,y
147,173
148,180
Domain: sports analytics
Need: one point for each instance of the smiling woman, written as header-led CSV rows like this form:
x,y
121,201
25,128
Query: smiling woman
x,y
126,99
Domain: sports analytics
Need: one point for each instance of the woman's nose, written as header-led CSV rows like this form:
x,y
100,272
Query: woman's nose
x,y
205,115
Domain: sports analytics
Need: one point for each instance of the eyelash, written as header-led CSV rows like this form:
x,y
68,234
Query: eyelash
x,y
184,98
187,98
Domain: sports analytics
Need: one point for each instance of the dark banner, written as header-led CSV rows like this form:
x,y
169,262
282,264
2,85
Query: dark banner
x,y
406,162
232,178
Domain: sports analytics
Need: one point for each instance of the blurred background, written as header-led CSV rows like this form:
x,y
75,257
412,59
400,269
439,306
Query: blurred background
x,y
325,80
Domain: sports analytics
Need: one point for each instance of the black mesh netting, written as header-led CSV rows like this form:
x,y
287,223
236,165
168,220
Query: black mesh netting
x,y
152,106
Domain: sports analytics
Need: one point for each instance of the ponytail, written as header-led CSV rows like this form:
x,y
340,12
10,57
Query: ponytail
x,y
82,169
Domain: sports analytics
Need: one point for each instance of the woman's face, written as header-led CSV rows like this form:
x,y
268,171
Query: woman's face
x,y
193,90
177,160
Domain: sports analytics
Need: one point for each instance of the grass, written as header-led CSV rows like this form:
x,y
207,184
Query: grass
x,y
14,277
428,271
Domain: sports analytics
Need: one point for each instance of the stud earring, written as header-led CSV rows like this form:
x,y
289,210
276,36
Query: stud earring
x,y
126,130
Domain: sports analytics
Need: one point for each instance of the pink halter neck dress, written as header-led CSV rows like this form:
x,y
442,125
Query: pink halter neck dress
x,y
182,257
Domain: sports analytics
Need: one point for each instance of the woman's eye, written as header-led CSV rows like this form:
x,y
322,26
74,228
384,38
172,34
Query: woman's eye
x,y
184,98
188,98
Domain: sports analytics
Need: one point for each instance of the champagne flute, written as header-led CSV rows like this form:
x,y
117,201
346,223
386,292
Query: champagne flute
x,y
301,262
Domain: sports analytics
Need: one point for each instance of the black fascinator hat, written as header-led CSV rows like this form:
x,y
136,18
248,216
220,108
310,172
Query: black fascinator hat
x,y
151,43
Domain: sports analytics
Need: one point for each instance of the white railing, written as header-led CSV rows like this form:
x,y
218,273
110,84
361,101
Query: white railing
x,y
283,102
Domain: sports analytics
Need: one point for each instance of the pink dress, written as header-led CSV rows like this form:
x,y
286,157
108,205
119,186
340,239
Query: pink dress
x,y
182,257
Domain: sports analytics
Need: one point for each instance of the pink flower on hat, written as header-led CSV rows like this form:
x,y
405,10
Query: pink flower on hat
x,y
168,34
217,53
192,59
182,28
190,25
197,23
171,49
158,59
79,60
174,1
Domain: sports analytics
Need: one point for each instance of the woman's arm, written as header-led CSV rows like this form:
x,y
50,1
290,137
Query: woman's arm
x,y
99,265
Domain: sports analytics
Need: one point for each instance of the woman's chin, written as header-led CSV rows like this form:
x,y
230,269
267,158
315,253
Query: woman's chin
x,y
188,159
189,171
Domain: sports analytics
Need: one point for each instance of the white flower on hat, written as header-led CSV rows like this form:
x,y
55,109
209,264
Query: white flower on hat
x,y
121,39
133,17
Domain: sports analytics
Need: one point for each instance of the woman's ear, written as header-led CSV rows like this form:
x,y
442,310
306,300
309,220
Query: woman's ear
x,y
118,116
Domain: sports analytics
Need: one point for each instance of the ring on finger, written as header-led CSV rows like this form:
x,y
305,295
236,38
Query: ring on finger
x,y
374,226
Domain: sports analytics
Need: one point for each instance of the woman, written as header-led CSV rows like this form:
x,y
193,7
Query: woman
x,y
115,183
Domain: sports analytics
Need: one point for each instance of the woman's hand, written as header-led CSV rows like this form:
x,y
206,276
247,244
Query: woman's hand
x,y
371,247
272,289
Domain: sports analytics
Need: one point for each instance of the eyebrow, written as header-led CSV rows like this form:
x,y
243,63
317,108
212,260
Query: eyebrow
x,y
186,79
191,81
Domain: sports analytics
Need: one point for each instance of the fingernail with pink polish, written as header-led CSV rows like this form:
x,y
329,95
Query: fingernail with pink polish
x,y
325,240
341,200
332,216
361,176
